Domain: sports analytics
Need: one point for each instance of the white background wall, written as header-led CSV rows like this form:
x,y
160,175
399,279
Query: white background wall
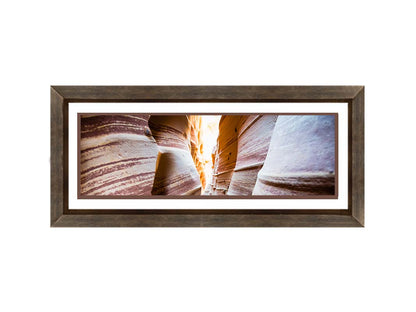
x,y
207,42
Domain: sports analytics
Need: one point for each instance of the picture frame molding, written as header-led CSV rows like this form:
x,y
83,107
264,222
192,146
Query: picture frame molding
x,y
61,216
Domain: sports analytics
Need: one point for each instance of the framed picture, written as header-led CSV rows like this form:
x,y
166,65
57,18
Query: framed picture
x,y
207,156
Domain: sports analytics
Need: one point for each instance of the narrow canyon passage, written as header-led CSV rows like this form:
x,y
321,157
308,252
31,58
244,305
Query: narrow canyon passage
x,y
176,154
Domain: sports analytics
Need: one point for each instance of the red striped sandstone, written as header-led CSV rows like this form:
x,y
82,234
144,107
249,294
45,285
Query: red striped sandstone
x,y
176,173
118,155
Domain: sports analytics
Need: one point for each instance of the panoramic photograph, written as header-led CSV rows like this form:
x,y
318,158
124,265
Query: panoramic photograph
x,y
131,155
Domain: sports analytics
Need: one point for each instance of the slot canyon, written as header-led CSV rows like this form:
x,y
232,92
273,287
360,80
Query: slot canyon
x,y
235,155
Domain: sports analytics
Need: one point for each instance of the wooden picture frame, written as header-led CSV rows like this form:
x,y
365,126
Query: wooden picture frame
x,y
62,216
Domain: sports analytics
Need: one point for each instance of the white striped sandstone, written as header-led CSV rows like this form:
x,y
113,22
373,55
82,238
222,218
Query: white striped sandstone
x,y
118,155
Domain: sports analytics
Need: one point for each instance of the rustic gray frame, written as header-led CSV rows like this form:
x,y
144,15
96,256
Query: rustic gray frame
x,y
61,216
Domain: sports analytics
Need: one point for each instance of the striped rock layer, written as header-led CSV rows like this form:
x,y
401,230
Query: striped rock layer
x,y
137,154
301,157
242,147
196,146
226,154
117,155
175,171
253,136
287,155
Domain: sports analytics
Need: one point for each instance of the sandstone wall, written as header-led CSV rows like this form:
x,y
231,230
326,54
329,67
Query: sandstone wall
x,y
176,173
118,155
253,137
274,155
226,154
242,147
196,146
136,154
301,157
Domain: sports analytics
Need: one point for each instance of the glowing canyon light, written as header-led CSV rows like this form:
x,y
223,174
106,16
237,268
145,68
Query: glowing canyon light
x,y
209,137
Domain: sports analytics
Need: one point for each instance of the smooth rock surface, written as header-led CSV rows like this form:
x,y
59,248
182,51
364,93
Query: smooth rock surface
x,y
226,154
176,173
301,157
253,136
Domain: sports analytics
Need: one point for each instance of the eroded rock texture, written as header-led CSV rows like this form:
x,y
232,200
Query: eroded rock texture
x,y
253,136
176,173
226,154
136,154
274,155
196,146
118,155
209,189
301,157
241,150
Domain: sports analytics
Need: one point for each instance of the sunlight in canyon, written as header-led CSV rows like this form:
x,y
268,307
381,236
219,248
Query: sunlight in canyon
x,y
209,135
